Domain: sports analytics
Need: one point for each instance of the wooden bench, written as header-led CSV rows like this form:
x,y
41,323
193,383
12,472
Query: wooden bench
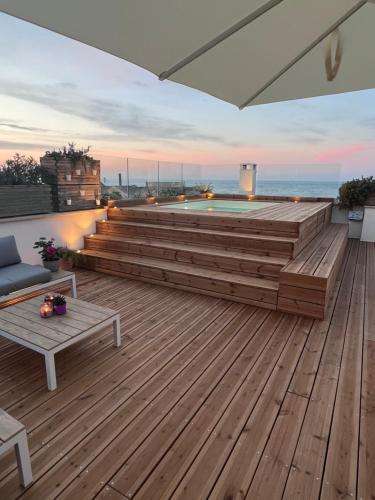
x,y
306,283
13,434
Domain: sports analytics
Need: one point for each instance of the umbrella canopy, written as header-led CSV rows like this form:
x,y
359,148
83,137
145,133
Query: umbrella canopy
x,y
245,52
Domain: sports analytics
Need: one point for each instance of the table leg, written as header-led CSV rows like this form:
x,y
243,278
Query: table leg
x,y
74,287
23,460
116,332
51,371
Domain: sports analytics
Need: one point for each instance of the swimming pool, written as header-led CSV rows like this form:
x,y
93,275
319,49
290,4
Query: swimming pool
x,y
220,205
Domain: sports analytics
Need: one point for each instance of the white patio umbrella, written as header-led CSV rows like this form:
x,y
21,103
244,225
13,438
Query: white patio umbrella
x,y
242,51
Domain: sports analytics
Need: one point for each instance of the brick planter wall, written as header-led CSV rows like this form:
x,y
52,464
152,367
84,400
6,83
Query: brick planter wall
x,y
81,188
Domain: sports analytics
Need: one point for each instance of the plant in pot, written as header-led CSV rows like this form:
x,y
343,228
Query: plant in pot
x,y
59,305
48,252
204,188
69,258
356,192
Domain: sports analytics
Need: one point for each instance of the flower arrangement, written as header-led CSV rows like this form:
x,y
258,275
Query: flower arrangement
x,y
47,251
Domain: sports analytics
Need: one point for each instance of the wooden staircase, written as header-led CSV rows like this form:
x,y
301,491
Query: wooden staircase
x,y
236,264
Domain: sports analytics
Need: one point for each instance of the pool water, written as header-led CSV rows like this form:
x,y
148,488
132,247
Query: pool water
x,y
220,205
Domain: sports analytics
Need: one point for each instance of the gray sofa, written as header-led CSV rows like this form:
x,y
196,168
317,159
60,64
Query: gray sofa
x,y
14,274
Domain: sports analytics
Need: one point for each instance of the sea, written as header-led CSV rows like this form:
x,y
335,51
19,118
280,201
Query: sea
x,y
325,189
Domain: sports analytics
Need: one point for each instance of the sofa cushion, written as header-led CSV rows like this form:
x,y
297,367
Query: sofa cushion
x,y
19,276
8,251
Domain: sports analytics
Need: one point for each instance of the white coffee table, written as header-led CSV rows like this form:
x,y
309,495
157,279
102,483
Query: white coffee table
x,y
22,324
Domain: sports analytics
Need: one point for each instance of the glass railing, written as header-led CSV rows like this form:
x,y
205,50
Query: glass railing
x,y
139,178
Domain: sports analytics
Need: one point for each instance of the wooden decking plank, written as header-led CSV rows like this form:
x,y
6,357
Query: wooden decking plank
x,y
108,493
117,398
370,293
304,376
273,469
182,392
340,473
134,326
39,401
366,464
147,456
241,456
305,477
207,424
15,374
114,390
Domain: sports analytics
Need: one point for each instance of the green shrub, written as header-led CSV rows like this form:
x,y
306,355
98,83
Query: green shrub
x,y
355,192
20,170
70,152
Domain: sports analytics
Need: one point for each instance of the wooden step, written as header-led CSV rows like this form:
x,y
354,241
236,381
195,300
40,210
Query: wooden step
x,y
246,289
255,243
240,262
228,222
306,283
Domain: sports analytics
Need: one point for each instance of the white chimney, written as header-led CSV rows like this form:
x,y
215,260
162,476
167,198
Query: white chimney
x,y
248,178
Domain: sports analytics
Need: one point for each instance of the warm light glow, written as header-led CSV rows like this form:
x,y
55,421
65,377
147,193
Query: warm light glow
x,y
210,209
78,251
46,310
251,197
91,235
210,195
104,220
296,200
156,203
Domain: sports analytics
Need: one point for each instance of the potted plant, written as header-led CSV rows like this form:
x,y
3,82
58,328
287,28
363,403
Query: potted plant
x,y
59,305
356,192
69,258
48,252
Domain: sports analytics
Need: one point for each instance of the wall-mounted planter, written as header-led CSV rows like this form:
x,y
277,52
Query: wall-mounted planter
x,y
68,177
25,200
82,192
68,201
78,171
94,171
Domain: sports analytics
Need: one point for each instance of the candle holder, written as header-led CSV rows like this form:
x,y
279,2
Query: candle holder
x,y
49,298
46,310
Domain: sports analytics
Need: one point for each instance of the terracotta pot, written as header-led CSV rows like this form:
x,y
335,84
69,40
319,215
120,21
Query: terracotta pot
x,y
66,265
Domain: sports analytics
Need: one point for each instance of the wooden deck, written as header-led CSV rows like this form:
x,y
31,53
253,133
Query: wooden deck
x,y
206,398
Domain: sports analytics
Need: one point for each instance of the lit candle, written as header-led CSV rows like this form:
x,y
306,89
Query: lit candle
x,y
46,310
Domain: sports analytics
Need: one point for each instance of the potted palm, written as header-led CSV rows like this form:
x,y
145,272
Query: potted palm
x,y
48,252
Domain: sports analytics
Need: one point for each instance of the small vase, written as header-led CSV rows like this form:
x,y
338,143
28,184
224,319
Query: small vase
x,y
60,309
78,171
52,265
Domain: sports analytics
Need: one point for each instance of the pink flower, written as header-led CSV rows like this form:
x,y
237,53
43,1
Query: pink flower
x,y
51,250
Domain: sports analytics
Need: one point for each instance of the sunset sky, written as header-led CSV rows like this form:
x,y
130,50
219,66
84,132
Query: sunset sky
x,y
54,90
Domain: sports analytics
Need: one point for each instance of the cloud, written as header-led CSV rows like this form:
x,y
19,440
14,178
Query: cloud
x,y
21,127
118,117
14,145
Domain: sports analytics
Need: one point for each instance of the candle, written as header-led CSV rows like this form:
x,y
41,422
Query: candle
x,y
49,298
46,310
